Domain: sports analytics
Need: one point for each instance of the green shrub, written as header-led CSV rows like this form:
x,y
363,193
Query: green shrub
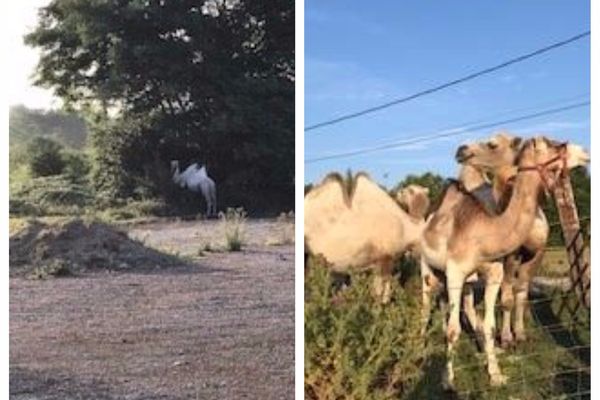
x,y
356,348
233,223
51,195
44,157
133,209
76,165
56,268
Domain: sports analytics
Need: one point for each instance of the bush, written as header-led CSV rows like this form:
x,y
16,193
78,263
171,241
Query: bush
x,y
44,157
52,195
358,348
233,223
134,209
76,165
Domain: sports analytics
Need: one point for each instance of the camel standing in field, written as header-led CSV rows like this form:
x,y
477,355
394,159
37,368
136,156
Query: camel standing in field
x,y
356,225
497,156
196,179
469,240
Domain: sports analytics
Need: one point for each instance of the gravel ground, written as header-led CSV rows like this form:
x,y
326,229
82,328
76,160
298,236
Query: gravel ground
x,y
219,327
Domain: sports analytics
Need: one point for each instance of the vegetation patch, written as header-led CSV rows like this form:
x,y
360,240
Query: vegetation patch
x,y
358,349
233,224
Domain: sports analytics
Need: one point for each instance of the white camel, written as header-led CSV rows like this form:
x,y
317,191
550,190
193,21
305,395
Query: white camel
x,y
196,179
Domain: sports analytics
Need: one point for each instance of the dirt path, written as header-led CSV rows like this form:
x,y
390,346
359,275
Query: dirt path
x,y
219,327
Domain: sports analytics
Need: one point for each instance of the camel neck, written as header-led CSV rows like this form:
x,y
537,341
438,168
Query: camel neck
x,y
471,178
517,219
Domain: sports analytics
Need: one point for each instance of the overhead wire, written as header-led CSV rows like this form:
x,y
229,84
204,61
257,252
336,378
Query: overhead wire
x,y
454,82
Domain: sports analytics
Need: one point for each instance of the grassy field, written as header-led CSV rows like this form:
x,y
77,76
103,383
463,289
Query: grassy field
x,y
358,349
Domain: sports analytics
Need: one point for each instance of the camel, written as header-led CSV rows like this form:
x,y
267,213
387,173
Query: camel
x,y
497,156
466,240
196,179
356,225
414,199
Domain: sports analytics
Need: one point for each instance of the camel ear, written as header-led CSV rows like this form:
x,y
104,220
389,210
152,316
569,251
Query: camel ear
x,y
516,142
426,191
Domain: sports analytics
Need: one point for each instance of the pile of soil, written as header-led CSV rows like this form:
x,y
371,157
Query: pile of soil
x,y
78,246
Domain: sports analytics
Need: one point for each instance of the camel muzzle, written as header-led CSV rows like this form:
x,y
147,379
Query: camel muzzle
x,y
462,155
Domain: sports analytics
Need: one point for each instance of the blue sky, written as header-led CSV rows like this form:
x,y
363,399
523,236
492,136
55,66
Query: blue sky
x,y
359,55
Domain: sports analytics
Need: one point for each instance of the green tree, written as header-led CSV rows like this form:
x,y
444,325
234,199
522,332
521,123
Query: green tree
x,y
67,129
209,81
44,157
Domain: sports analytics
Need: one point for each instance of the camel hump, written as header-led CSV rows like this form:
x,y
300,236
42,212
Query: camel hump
x,y
347,183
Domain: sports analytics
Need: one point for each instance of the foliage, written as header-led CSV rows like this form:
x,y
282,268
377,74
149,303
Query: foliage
x,y
44,157
284,230
132,209
233,223
164,80
56,268
356,348
581,183
65,128
52,195
77,164
347,333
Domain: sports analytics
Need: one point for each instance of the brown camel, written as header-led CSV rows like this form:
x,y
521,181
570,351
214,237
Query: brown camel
x,y
354,224
497,156
467,240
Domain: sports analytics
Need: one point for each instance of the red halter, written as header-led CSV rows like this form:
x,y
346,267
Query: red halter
x,y
542,169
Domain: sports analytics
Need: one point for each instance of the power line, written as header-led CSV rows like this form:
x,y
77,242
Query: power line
x,y
448,84
502,114
447,133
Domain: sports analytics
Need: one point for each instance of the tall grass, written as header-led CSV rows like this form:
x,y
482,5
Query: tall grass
x,y
233,224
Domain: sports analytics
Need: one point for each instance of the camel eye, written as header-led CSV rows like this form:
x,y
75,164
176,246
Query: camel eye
x,y
492,145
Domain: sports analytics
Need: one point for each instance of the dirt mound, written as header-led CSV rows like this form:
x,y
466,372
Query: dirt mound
x,y
43,249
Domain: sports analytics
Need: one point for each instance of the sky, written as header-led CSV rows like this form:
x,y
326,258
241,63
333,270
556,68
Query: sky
x,y
358,56
22,19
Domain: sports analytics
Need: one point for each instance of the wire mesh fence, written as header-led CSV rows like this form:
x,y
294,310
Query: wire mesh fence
x,y
553,361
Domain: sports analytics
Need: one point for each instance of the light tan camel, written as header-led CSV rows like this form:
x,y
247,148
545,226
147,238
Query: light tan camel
x,y
497,156
414,199
356,225
469,240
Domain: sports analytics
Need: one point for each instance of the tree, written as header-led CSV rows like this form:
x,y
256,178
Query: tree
x,y
204,80
67,129
44,157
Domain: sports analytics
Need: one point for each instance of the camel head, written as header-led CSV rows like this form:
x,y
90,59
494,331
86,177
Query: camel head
x,y
550,158
492,154
415,199
174,165
576,156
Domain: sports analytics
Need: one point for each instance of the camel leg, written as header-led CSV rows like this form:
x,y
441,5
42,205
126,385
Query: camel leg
x,y
382,286
471,313
455,280
469,302
493,276
429,283
214,202
524,275
507,300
